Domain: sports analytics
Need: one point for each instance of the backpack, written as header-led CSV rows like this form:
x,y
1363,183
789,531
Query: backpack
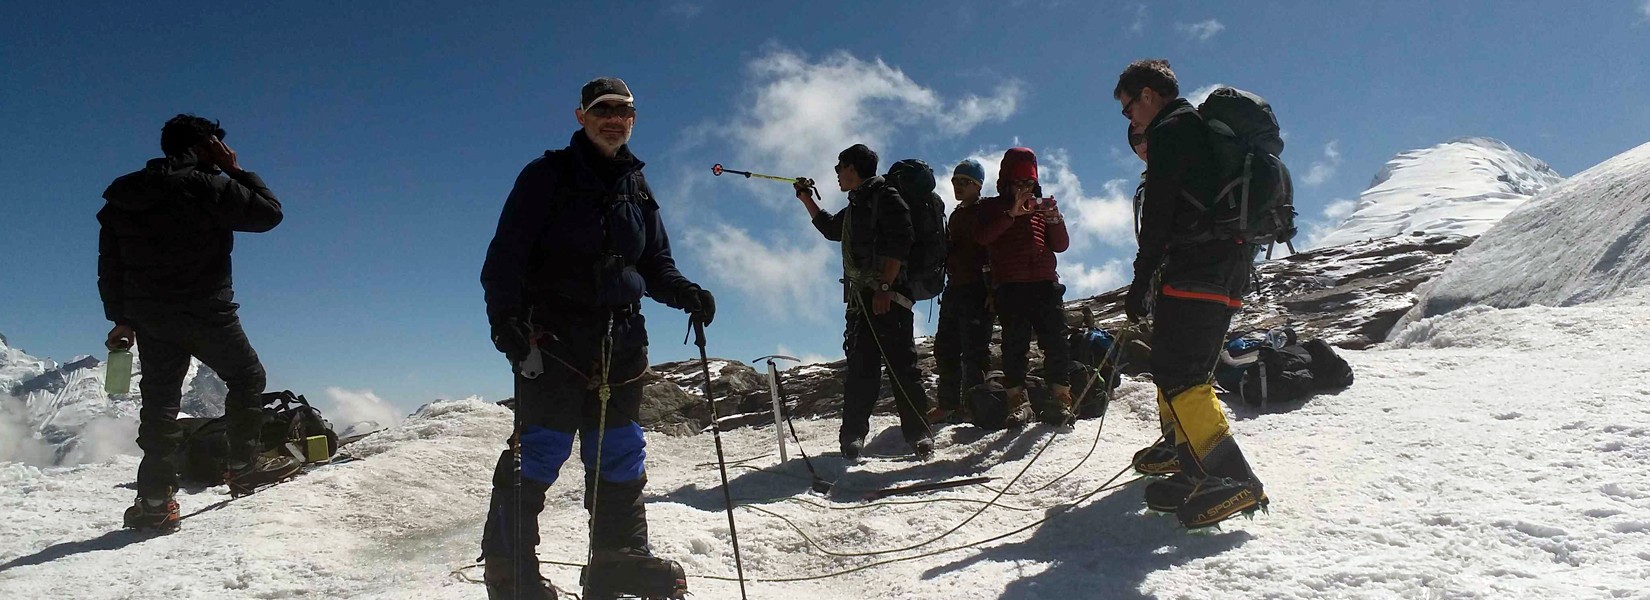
x,y
925,269
203,456
1256,200
1273,366
1094,364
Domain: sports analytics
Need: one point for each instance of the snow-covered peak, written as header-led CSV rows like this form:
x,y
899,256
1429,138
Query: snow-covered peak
x,y
1584,240
1462,187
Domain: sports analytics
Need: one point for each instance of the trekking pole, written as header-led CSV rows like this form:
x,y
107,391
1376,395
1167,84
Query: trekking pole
x,y
721,459
819,485
717,170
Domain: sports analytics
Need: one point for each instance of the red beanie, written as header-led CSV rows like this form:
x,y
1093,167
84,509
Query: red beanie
x,y
1018,163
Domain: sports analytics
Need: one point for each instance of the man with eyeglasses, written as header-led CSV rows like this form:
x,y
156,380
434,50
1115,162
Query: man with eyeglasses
x,y
578,245
1022,231
962,341
876,235
1197,286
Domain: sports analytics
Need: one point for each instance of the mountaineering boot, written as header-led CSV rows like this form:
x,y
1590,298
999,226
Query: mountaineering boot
x,y
262,470
1216,499
1167,495
1059,412
625,572
852,447
503,582
1157,459
1019,409
153,513
923,447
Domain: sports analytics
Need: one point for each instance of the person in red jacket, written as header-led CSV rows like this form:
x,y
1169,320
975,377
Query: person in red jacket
x,y
1022,231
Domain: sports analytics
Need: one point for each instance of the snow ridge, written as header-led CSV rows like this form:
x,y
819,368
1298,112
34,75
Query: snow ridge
x,y
1459,187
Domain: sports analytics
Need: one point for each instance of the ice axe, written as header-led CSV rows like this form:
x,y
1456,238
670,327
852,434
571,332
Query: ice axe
x,y
777,387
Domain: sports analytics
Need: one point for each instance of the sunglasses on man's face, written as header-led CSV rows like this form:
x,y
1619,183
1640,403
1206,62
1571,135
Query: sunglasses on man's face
x,y
839,169
962,181
1127,106
609,110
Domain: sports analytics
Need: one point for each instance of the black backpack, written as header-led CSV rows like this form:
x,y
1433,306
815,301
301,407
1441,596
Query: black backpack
x,y
1256,201
203,457
925,270
1277,368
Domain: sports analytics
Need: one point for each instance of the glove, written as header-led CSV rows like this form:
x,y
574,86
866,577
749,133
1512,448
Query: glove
x,y
513,338
1134,304
699,304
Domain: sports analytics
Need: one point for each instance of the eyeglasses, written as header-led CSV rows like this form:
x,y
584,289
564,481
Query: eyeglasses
x,y
609,110
839,168
962,181
1137,139
1129,105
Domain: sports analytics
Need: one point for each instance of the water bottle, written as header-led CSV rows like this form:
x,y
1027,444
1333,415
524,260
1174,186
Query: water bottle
x,y
117,377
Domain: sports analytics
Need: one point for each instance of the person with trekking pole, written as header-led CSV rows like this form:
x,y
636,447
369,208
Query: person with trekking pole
x,y
579,242
163,272
1189,283
876,234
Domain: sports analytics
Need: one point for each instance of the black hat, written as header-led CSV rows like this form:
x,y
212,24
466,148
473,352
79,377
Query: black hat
x,y
602,89
861,158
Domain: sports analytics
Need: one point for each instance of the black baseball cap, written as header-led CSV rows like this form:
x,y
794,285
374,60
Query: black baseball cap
x,y
602,89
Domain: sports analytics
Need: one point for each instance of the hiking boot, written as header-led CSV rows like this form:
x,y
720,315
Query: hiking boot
x,y
147,513
923,448
625,573
1157,459
1168,495
1019,407
852,447
502,585
1216,499
264,470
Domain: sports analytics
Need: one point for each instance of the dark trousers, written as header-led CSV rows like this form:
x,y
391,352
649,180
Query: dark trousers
x,y
1187,336
1027,310
962,344
165,343
553,409
874,343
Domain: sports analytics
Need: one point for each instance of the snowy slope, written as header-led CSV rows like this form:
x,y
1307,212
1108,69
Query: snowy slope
x,y
1459,187
1461,465
1585,239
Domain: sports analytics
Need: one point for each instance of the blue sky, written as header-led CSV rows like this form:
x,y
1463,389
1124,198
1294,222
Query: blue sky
x,y
393,131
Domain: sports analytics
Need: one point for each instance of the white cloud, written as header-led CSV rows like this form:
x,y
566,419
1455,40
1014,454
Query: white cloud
x,y
807,358
797,114
1138,26
1083,281
784,277
1322,170
683,9
1317,229
1645,8
1105,219
351,407
1201,31
1200,94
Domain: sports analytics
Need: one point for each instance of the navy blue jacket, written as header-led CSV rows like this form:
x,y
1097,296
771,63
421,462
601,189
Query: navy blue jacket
x,y
550,252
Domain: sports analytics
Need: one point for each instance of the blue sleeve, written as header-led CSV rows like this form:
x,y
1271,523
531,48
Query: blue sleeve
x,y
526,211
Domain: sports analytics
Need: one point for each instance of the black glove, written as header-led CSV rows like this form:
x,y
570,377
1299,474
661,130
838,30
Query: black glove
x,y
1134,305
513,338
699,304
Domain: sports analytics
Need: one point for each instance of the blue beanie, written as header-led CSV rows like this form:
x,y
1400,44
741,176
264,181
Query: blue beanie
x,y
971,169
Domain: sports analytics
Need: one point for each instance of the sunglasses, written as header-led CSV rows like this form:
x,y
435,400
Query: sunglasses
x,y
1128,105
839,168
962,181
609,110
1137,139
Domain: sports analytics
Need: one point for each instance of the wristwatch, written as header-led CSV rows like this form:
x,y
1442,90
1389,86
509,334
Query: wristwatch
x,y
883,286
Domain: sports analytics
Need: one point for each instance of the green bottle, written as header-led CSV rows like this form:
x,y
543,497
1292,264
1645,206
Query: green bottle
x,y
117,379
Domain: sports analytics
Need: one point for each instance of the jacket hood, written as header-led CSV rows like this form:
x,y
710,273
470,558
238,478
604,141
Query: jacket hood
x,y
158,181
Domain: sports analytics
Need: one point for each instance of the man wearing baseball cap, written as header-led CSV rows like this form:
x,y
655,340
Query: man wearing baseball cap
x,y
578,245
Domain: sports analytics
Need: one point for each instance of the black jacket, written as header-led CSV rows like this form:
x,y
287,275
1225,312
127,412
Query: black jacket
x,y
1180,167
550,251
167,232
878,225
